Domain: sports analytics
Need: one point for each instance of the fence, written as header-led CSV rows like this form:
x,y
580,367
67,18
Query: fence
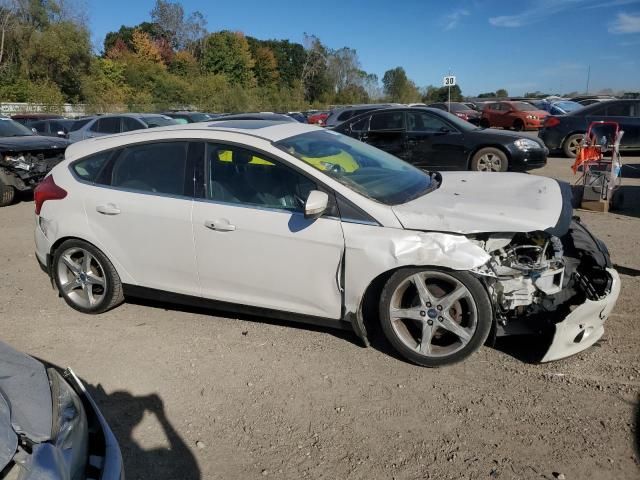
x,y
12,108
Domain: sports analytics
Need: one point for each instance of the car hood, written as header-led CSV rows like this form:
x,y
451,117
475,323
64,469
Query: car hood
x,y
24,388
31,142
475,202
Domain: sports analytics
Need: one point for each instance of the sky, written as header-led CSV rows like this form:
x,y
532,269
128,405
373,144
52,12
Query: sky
x,y
520,45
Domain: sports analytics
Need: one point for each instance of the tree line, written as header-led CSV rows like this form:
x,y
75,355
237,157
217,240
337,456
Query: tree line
x,y
173,60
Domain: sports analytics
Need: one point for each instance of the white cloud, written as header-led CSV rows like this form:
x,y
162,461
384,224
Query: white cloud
x,y
452,20
625,23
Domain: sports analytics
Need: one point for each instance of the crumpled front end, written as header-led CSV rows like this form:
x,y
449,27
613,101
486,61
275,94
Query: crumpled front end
x,y
562,288
25,169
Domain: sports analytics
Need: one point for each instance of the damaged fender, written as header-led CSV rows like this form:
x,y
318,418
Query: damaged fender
x,y
372,251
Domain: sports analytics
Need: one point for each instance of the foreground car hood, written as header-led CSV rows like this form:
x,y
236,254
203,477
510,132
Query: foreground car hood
x,y
31,142
475,202
25,386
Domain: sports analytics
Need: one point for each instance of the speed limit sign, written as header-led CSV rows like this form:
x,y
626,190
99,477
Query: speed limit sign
x,y
449,81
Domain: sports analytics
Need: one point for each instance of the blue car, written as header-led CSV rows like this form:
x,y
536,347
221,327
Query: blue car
x,y
558,107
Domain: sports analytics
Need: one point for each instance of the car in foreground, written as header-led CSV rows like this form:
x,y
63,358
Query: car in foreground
x,y
50,427
566,132
432,139
57,127
342,114
25,158
302,223
460,110
188,116
518,115
124,122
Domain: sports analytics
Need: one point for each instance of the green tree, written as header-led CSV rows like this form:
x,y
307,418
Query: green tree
x,y
265,68
502,93
228,53
398,87
487,95
315,80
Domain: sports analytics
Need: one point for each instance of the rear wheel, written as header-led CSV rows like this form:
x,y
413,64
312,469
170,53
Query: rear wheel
x,y
571,144
7,194
489,160
518,125
85,277
435,317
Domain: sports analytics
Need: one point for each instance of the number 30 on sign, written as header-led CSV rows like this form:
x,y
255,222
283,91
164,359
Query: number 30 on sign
x,y
449,81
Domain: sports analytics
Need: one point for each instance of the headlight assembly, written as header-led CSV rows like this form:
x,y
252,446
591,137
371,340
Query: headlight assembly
x,y
69,431
526,144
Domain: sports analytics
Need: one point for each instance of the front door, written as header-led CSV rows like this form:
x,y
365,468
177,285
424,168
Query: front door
x,y
140,212
254,246
434,143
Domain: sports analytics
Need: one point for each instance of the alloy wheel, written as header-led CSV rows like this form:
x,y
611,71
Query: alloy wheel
x,y
433,314
489,162
81,277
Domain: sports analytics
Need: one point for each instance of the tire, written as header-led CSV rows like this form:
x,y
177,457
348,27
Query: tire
x,y
7,194
484,123
571,143
489,159
85,277
518,125
408,312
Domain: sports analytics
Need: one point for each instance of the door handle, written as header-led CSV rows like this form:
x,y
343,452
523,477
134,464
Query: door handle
x,y
108,209
221,225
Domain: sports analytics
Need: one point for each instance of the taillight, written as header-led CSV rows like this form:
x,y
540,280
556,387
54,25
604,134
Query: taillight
x,y
47,190
551,122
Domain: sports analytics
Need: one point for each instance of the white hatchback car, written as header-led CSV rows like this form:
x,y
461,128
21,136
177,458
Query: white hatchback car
x,y
298,222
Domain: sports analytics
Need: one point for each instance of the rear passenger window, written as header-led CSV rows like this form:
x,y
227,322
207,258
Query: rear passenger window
x,y
129,124
361,125
88,168
107,125
387,121
154,168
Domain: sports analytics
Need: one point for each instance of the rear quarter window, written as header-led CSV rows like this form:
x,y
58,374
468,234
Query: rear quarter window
x,y
89,167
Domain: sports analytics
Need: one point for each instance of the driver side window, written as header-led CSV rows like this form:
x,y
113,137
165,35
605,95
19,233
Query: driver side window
x,y
243,177
424,122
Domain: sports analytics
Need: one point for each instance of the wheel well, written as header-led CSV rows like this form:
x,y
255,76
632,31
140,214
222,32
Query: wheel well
x,y
518,120
477,149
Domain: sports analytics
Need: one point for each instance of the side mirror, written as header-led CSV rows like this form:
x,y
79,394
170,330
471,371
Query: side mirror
x,y
35,131
62,134
316,204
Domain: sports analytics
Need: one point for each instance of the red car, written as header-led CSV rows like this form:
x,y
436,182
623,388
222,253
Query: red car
x,y
516,115
318,118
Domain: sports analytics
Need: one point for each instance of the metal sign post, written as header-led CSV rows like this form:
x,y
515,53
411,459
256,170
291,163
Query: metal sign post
x,y
449,81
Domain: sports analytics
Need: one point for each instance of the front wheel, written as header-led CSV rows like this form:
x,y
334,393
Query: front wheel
x,y
484,123
489,160
434,317
85,277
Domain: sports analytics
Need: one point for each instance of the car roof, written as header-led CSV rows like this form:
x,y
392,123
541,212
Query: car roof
x,y
269,131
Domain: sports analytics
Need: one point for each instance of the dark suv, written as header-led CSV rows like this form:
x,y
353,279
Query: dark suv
x,y
565,132
342,114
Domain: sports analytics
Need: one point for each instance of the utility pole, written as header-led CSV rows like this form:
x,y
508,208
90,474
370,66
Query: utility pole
x,y
588,77
449,102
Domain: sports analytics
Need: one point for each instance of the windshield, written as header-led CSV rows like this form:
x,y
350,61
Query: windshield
x,y
10,128
360,167
524,106
568,106
158,121
199,117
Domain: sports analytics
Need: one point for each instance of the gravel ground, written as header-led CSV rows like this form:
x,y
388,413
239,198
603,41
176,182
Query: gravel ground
x,y
198,394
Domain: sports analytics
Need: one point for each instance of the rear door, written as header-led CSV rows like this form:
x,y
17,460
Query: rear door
x,y
433,142
103,126
387,131
140,211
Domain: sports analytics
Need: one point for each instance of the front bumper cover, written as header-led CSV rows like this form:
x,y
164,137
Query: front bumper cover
x,y
584,325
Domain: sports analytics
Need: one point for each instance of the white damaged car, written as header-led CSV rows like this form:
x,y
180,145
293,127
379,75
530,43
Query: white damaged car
x,y
293,221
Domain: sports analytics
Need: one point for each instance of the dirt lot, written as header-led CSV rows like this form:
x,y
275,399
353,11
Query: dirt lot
x,y
193,394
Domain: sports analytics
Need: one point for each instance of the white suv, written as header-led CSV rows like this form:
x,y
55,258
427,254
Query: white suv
x,y
307,224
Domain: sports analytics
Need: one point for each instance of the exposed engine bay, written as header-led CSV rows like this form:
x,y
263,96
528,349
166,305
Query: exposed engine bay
x,y
541,278
24,170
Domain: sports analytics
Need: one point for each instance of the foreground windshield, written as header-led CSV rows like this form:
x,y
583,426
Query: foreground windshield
x,y
159,121
11,128
365,169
